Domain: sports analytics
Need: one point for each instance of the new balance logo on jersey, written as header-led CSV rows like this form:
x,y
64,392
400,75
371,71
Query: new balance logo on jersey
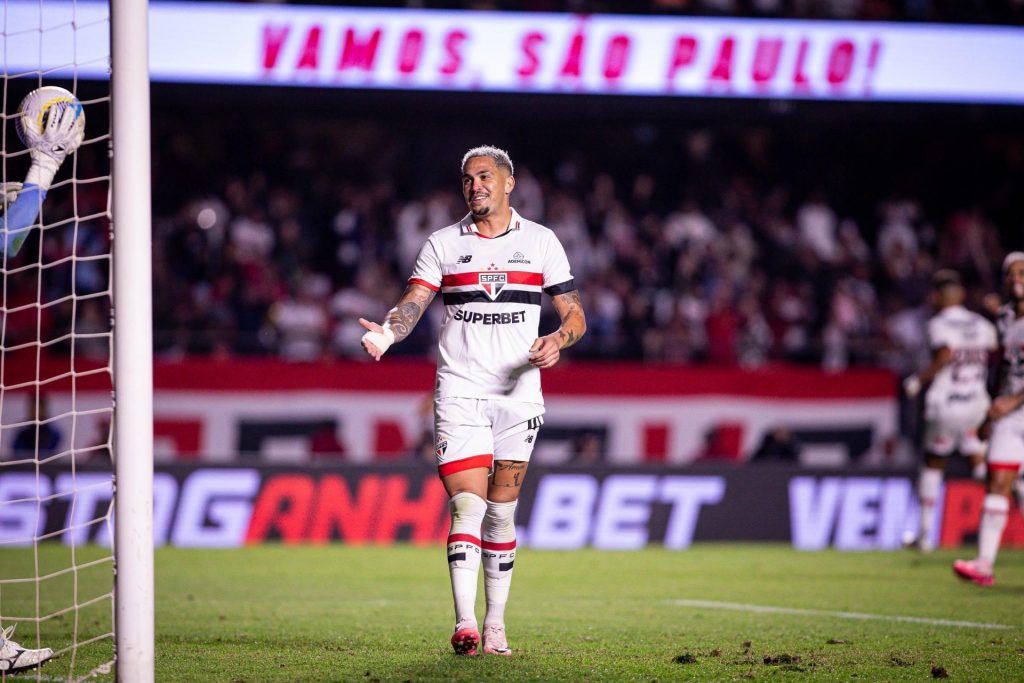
x,y
493,283
464,259
518,257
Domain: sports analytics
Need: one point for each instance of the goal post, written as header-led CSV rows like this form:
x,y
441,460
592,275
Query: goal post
x,y
133,341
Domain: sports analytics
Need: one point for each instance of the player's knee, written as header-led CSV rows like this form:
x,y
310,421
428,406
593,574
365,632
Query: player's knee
x,y
467,509
500,520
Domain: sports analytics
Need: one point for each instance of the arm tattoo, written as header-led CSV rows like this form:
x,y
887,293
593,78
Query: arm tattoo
x,y
573,324
408,312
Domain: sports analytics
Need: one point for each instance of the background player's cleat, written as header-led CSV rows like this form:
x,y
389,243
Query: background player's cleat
x,y
465,639
922,544
14,657
974,570
495,642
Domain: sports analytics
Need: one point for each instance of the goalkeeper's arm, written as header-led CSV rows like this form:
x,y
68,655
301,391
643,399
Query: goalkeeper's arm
x,y
20,217
58,140
400,321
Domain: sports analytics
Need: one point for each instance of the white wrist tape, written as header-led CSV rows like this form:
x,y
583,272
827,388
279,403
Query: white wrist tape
x,y
42,170
382,340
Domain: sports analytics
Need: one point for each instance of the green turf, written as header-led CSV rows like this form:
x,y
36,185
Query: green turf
x,y
336,613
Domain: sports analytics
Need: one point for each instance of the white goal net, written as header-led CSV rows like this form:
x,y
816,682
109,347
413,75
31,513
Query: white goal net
x,y
56,347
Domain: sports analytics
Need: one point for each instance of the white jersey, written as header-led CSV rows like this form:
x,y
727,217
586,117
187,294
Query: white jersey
x,y
970,338
1011,332
491,289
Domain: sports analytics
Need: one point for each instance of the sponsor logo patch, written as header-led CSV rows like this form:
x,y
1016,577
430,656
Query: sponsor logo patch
x,y
518,257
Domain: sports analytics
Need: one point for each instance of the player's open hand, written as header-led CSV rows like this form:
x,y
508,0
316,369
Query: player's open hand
x,y
368,345
545,352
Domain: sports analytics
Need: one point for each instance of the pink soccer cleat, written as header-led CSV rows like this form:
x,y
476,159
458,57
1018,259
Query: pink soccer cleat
x,y
495,642
974,570
465,639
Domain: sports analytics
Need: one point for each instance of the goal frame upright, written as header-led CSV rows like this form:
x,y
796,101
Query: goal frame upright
x,y
133,341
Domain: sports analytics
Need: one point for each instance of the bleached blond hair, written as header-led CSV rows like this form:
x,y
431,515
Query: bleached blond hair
x,y
500,157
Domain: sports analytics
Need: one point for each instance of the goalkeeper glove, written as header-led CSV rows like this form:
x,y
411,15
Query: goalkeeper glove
x,y
59,139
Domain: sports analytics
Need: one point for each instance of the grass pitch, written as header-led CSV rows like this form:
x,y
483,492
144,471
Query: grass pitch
x,y
338,613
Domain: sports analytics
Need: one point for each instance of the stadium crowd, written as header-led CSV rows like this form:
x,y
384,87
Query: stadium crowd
x,y
714,245
952,11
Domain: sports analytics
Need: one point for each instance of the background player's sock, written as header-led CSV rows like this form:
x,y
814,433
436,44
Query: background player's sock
x,y
993,521
929,481
467,510
499,544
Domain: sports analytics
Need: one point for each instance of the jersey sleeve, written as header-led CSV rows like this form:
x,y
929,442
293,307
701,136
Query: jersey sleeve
x,y
557,276
991,336
427,271
939,335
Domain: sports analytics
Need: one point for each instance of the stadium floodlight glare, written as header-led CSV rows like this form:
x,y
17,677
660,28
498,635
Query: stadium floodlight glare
x,y
75,345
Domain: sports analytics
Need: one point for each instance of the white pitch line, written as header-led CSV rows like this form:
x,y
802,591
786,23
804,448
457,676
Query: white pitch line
x,y
764,609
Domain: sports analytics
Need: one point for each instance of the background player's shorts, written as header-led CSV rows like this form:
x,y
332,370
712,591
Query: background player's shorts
x,y
474,432
954,427
1006,447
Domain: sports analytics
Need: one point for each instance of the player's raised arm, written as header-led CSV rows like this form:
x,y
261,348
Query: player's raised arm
x,y
546,351
400,321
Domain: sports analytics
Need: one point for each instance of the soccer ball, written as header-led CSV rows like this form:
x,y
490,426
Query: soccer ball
x,y
32,115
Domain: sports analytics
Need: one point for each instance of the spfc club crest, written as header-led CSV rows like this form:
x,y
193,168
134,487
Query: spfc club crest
x,y
442,446
493,283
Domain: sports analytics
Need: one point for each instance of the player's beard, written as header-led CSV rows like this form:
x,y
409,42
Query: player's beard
x,y
481,212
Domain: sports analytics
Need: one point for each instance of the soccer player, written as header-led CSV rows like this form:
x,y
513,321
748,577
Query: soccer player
x,y
1006,422
59,139
14,657
491,269
956,400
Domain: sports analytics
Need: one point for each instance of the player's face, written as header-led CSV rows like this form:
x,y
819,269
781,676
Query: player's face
x,y
485,186
1015,280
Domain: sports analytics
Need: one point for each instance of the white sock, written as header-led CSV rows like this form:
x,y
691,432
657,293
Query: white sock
x,y
993,521
499,543
467,511
929,481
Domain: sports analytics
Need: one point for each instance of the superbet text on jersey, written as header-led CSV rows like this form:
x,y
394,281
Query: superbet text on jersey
x,y
491,288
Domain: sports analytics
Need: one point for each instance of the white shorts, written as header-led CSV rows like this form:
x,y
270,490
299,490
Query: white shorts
x,y
474,432
1006,447
954,427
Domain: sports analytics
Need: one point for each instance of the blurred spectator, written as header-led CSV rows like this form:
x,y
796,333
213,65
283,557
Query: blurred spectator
x,y
778,445
40,439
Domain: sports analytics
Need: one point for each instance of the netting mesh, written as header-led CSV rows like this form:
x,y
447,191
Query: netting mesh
x,y
56,565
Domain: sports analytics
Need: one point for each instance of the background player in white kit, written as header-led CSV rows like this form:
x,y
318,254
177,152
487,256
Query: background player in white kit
x,y
956,400
1005,421
491,268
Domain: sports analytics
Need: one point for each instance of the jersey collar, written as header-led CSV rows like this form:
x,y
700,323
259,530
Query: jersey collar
x,y
469,227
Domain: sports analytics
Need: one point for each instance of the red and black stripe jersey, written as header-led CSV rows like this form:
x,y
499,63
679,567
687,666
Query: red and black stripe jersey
x,y
491,289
